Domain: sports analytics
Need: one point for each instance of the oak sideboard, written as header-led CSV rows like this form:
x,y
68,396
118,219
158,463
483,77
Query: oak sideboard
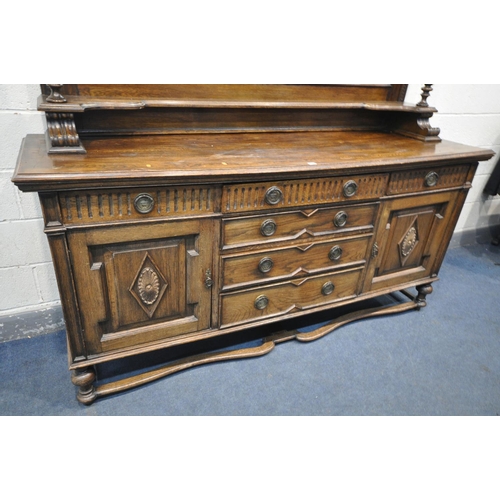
x,y
177,214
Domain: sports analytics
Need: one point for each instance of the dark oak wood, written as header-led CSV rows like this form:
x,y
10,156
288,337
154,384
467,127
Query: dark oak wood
x,y
218,157
118,110
341,93
197,212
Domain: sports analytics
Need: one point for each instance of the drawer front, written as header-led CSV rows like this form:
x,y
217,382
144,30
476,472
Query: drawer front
x,y
299,260
416,181
291,296
293,225
261,196
86,207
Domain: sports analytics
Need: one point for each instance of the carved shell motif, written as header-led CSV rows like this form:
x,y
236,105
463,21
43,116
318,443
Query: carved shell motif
x,y
148,286
409,242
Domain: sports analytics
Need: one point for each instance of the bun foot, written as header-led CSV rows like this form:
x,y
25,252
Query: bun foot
x,y
84,379
423,291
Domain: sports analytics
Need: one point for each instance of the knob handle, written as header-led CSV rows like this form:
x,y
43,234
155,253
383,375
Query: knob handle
x,y
261,302
327,288
274,196
335,253
265,265
144,203
431,179
350,189
268,228
340,219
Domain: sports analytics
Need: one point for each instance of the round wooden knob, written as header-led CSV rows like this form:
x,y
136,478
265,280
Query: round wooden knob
x,y
335,253
265,265
268,227
350,189
261,302
327,288
340,219
431,179
144,203
274,196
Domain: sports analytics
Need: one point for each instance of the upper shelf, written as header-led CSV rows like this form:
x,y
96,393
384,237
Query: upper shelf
x,y
78,111
79,104
226,92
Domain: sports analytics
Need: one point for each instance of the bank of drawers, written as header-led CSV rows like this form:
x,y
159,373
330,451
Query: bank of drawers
x,y
304,246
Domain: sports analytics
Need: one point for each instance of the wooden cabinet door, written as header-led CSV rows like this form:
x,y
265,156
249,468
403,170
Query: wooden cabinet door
x,y
142,283
411,240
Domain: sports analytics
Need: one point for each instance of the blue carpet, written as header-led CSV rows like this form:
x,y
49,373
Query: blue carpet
x,y
443,360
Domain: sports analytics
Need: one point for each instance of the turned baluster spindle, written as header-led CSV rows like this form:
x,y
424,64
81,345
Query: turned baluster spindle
x,y
426,92
55,94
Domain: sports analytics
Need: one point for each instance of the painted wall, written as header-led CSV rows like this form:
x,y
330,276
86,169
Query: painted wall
x,y
467,113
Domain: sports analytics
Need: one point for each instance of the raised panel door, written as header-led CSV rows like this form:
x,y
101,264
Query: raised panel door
x,y
412,236
142,283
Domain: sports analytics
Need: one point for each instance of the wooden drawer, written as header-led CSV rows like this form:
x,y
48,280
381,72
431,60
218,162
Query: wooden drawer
x,y
416,181
299,260
261,196
288,297
287,226
84,207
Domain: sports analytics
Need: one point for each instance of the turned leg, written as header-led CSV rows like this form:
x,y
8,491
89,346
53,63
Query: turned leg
x,y
84,379
423,291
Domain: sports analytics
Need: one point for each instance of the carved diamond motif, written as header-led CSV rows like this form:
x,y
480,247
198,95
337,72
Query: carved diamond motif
x,y
409,242
148,286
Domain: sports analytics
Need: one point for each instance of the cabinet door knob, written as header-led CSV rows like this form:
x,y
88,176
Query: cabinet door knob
x,y
261,302
265,265
327,288
350,189
340,219
268,227
335,253
144,203
274,196
431,179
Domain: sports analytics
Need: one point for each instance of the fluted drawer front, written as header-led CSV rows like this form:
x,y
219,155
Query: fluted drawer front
x,y
288,297
128,204
298,260
415,181
287,226
299,193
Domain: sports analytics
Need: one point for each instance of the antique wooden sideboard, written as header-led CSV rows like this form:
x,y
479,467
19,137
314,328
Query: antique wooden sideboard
x,y
181,213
